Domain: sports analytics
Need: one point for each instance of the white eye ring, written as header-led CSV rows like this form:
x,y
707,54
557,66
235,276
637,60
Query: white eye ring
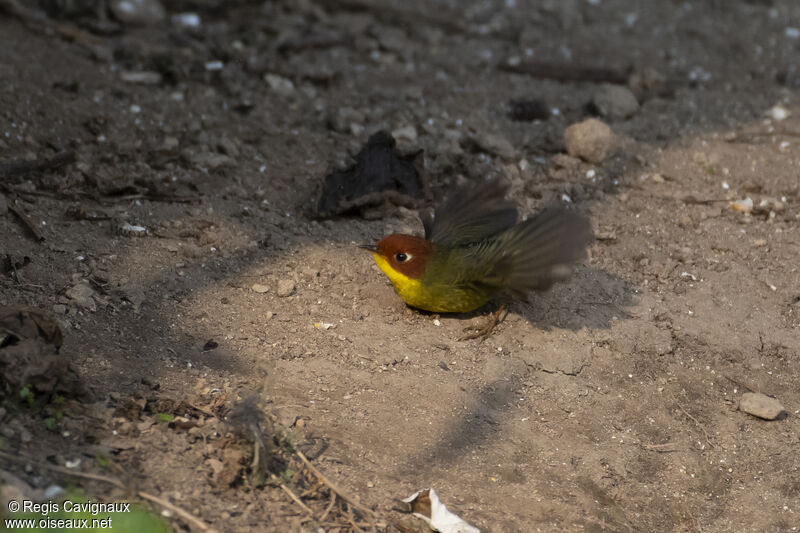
x,y
401,257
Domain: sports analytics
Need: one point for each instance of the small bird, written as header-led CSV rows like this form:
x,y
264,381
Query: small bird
x,y
474,250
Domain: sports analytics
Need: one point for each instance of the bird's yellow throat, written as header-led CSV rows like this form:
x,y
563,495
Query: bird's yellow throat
x,y
409,289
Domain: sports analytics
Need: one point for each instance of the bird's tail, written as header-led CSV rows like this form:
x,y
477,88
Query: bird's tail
x,y
541,250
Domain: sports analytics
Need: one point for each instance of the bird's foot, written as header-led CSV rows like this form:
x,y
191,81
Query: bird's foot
x,y
484,332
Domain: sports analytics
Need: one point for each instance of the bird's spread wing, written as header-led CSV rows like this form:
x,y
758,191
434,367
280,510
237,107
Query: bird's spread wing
x,y
535,253
471,214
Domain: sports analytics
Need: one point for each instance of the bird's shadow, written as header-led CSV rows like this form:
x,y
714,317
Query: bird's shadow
x,y
591,298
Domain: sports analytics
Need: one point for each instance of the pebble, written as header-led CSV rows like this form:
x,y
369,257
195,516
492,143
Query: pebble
x,y
145,12
393,39
285,288
187,20
591,140
60,309
228,146
496,144
13,488
760,405
261,289
405,134
279,84
145,77
82,294
170,144
743,206
344,119
206,159
131,230
615,102
778,113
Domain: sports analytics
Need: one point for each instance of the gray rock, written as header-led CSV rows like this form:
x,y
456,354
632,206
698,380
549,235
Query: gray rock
x,y
760,405
259,288
496,144
14,488
82,295
170,144
228,146
144,12
591,140
285,288
615,102
205,159
405,134
344,118
279,84
393,39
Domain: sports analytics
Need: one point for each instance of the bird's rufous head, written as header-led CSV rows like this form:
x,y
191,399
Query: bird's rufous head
x,y
404,253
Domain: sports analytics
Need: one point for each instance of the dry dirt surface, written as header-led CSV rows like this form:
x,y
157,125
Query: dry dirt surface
x,y
158,190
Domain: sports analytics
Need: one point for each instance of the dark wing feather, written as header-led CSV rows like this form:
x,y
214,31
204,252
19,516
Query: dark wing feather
x,y
471,215
535,253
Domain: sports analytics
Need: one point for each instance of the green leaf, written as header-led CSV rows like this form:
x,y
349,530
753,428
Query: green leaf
x,y
164,417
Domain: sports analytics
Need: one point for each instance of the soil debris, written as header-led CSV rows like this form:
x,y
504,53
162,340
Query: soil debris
x,y
30,341
379,174
590,140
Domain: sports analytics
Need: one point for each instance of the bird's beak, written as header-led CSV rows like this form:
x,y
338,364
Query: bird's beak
x,y
371,247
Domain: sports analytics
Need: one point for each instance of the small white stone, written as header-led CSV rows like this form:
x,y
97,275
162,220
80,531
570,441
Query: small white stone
x,y
187,20
778,112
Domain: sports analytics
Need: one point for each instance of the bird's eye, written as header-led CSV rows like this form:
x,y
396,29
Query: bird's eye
x,y
401,257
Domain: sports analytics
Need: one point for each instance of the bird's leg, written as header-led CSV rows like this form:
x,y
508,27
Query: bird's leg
x,y
486,330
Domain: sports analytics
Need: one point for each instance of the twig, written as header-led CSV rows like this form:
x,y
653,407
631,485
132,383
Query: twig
x,y
188,517
659,448
689,199
25,220
394,15
352,519
737,382
297,500
154,198
37,165
19,191
329,508
566,72
333,487
708,440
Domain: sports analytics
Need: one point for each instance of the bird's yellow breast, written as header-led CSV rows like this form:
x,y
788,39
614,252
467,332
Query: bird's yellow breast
x,y
409,289
430,297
